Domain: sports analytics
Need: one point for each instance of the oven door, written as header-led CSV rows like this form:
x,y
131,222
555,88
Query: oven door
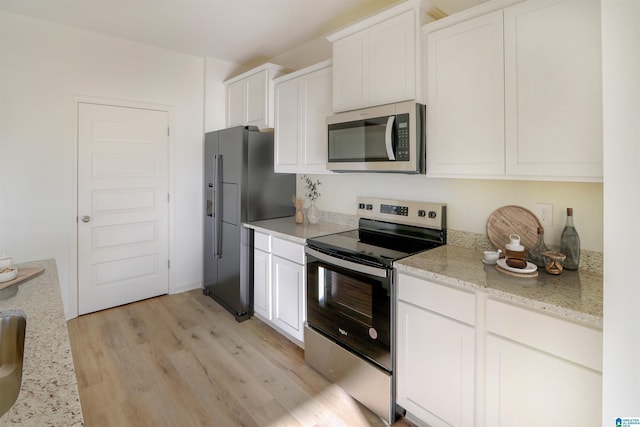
x,y
351,304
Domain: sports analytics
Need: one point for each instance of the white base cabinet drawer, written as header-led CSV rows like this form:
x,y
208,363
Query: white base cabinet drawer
x,y
455,303
289,250
262,241
562,338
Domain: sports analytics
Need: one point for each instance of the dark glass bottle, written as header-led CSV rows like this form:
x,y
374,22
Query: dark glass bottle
x,y
535,254
570,243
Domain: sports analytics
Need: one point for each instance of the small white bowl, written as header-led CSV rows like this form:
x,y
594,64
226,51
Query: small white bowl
x,y
9,275
490,257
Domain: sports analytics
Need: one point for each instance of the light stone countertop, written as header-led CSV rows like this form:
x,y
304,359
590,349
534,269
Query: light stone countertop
x,y
49,393
299,233
574,295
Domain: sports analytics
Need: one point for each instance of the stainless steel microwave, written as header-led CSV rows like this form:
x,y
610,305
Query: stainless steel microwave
x,y
388,138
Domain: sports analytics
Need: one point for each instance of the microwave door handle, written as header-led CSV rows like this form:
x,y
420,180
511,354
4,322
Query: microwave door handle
x,y
388,138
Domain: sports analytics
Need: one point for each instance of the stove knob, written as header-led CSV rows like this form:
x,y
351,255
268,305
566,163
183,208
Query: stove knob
x,y
360,205
422,213
432,214
369,207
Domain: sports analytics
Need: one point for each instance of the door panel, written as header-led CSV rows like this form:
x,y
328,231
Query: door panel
x,y
122,193
230,203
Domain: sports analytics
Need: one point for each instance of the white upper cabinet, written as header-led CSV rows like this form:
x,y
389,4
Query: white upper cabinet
x,y
392,60
553,74
351,72
250,97
532,112
374,61
302,103
465,98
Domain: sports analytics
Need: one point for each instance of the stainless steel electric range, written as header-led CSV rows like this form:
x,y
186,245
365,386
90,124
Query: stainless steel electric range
x,y
351,296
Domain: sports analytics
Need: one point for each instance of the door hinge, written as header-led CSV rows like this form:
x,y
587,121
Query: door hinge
x,y
168,131
169,263
168,197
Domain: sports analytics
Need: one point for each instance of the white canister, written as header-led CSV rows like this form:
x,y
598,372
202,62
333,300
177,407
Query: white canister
x,y
514,243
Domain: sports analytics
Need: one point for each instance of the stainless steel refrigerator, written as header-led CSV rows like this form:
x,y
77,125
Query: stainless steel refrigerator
x,y
240,186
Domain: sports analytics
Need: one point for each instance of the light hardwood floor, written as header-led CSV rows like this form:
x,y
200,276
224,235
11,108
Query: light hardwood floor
x,y
182,360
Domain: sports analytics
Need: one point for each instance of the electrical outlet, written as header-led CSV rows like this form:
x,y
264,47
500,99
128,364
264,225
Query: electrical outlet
x,y
544,212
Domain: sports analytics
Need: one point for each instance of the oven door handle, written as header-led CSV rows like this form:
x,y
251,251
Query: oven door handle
x,y
360,268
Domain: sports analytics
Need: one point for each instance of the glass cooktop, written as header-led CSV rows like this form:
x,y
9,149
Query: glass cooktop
x,y
371,245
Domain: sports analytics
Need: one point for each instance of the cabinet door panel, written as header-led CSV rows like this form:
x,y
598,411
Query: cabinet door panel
x,y
235,104
351,72
465,97
553,96
257,108
392,66
527,387
262,284
317,106
287,131
288,288
436,374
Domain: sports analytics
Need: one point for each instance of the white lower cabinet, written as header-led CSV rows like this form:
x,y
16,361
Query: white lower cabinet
x,y
436,352
262,275
465,359
541,370
279,284
288,302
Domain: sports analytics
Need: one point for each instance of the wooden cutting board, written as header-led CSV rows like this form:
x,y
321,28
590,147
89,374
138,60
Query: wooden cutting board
x,y
509,220
24,274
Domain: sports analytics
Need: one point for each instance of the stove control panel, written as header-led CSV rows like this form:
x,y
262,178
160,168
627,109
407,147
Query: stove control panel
x,y
421,214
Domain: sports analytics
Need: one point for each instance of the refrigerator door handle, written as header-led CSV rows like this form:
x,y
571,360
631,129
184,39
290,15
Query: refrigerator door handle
x,y
214,197
218,219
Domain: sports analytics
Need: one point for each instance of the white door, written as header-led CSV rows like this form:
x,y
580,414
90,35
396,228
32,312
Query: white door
x,y
122,205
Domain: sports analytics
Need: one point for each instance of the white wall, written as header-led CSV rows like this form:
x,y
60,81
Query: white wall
x,y
216,72
470,202
621,102
43,66
312,52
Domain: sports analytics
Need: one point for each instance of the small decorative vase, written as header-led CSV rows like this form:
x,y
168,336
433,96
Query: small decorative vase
x,y
299,216
313,214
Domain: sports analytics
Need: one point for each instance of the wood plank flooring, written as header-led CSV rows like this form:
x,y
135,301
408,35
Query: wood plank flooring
x,y
182,360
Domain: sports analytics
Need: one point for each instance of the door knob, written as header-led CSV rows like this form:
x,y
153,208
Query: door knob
x,y
86,218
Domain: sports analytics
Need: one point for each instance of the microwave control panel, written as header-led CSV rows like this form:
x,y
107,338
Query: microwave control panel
x,y
402,134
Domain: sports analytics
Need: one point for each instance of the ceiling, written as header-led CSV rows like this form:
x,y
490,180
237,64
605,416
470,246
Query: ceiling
x,y
240,31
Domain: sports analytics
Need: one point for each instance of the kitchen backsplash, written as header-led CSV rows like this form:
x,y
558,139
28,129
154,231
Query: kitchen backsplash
x,y
589,260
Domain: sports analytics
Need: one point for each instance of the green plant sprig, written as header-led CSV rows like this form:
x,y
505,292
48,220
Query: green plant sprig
x,y
311,188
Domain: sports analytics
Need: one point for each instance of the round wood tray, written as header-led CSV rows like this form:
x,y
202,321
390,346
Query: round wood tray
x,y
509,220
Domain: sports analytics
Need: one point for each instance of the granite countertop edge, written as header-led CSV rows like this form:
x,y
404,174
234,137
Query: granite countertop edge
x,y
287,228
49,392
574,296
